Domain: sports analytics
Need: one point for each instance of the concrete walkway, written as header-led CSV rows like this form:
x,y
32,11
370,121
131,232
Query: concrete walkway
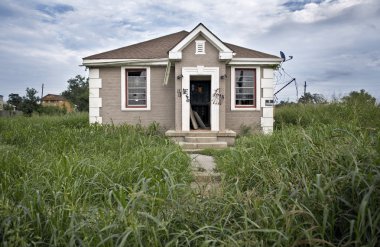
x,y
207,179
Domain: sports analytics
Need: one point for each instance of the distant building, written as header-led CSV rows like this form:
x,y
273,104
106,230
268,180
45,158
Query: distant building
x,y
56,100
1,103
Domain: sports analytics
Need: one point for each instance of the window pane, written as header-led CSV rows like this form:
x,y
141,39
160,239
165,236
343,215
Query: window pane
x,y
245,87
138,90
244,102
245,72
137,103
136,96
240,84
244,90
244,96
136,87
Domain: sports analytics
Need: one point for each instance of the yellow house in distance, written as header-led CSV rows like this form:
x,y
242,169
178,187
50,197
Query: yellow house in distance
x,y
56,100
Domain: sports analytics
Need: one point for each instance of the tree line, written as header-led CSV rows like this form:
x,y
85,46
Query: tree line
x,y
354,97
77,93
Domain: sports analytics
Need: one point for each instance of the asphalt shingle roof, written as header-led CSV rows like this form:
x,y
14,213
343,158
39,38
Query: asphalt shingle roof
x,y
160,47
53,97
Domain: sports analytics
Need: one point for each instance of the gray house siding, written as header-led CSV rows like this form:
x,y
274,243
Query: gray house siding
x,y
162,99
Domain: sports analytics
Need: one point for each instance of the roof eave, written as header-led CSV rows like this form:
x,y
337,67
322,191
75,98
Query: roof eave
x,y
251,61
105,62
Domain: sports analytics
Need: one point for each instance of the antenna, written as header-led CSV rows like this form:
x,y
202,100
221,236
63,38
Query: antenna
x,y
284,57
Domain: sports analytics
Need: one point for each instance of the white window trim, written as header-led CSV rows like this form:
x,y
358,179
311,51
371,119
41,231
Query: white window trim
x,y
258,91
123,89
201,43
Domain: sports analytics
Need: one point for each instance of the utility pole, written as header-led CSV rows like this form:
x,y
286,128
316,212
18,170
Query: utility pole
x,y
304,89
42,92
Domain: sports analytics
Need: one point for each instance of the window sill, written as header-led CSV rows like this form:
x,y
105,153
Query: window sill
x,y
135,109
234,108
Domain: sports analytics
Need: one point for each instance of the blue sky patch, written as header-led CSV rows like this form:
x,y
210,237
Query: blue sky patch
x,y
53,10
300,4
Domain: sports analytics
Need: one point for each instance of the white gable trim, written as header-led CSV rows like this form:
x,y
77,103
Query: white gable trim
x,y
224,51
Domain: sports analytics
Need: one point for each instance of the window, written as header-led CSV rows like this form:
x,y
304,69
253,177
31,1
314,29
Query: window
x,y
244,93
200,47
136,85
135,88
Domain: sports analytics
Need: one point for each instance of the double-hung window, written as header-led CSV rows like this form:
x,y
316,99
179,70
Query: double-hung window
x,y
243,88
136,89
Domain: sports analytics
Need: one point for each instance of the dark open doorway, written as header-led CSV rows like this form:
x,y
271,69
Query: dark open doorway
x,y
200,97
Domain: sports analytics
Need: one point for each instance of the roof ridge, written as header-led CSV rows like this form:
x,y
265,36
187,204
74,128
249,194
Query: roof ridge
x,y
160,46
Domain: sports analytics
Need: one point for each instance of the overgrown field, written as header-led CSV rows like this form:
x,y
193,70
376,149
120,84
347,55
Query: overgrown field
x,y
314,182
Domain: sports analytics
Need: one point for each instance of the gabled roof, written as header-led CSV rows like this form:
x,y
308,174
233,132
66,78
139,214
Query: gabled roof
x,y
160,47
53,97
224,51
151,49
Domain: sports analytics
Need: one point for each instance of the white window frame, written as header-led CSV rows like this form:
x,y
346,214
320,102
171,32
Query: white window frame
x,y
201,44
123,90
258,91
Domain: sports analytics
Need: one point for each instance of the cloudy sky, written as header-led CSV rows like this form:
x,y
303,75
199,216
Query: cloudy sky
x,y
335,43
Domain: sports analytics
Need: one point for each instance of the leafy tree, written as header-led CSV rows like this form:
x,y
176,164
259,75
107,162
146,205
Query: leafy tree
x,y
30,102
15,100
309,98
77,92
362,98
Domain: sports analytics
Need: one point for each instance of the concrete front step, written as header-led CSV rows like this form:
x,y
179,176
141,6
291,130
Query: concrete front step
x,y
202,136
203,145
201,139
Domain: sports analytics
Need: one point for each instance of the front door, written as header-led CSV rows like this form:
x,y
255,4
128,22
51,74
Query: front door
x,y
200,97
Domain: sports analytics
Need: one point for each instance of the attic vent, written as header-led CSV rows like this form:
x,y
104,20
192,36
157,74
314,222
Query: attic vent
x,y
200,47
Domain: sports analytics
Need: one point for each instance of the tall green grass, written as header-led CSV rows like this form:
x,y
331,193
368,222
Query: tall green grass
x,y
63,182
311,183
316,180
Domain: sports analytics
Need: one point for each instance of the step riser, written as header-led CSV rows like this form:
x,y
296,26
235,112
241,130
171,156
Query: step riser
x,y
201,134
193,145
200,139
171,133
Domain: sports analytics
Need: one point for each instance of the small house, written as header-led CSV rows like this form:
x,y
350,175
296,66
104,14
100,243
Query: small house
x,y
57,101
191,83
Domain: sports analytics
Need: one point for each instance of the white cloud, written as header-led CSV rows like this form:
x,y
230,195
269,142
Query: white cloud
x,y
45,40
313,12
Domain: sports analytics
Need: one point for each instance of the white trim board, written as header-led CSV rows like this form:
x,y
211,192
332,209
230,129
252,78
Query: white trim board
x,y
95,101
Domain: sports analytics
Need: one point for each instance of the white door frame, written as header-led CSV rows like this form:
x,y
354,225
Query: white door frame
x,y
199,70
